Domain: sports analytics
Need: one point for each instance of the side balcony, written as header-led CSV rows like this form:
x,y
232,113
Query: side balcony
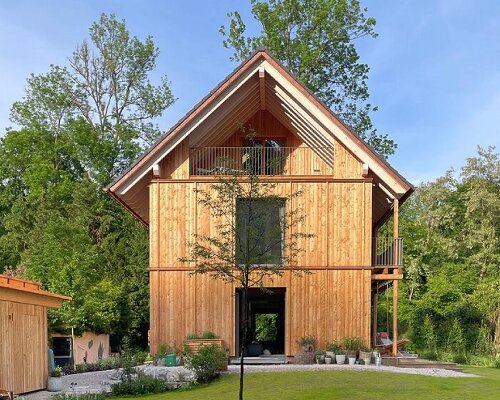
x,y
387,258
269,160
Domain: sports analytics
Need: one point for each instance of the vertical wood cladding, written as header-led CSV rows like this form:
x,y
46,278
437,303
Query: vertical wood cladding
x,y
330,303
23,348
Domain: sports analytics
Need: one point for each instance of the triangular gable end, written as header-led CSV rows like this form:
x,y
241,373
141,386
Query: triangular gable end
x,y
318,126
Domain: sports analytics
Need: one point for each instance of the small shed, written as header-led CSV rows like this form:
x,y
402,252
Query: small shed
x,y
24,334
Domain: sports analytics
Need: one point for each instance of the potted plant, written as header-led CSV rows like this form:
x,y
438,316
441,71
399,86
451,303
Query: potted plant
x,y
308,343
332,349
328,359
306,354
352,346
365,354
320,356
54,383
160,355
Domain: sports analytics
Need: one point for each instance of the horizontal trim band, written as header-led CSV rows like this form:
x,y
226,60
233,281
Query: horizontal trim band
x,y
302,268
282,179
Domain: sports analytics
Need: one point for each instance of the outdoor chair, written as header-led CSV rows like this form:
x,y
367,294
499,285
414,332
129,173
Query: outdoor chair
x,y
384,343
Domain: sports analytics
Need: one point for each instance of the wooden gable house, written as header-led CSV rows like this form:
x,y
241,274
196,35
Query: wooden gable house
x,y
349,192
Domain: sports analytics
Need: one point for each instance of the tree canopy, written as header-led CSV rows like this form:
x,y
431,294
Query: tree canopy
x,y
80,125
451,229
315,40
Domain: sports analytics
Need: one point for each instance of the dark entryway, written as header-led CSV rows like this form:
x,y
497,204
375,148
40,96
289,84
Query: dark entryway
x,y
266,321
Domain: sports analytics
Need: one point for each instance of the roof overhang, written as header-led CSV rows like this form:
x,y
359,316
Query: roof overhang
x,y
28,292
259,79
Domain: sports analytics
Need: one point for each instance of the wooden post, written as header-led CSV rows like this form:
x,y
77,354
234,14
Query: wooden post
x,y
374,318
395,235
395,317
395,282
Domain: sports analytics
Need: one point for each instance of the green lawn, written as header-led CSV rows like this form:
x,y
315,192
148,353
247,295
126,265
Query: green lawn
x,y
346,384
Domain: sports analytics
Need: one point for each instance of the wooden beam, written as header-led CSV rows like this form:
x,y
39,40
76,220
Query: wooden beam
x,y
262,88
386,277
395,318
395,210
374,319
395,253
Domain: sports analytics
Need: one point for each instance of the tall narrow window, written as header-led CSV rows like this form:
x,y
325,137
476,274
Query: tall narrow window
x,y
259,231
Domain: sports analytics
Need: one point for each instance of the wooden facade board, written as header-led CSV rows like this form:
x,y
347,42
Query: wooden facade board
x,y
327,304
23,348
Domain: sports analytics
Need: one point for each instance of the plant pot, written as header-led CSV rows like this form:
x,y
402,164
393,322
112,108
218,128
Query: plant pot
x,y
352,360
54,384
330,354
365,354
328,360
340,359
367,361
304,357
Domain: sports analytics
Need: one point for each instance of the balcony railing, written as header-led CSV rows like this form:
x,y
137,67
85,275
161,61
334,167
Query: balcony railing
x,y
387,251
261,160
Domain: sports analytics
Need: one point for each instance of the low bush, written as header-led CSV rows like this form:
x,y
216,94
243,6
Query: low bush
x,y
207,363
107,363
139,385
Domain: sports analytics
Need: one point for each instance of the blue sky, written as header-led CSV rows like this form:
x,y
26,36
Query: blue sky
x,y
435,67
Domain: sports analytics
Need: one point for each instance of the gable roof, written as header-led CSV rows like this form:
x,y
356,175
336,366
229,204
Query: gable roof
x,y
302,108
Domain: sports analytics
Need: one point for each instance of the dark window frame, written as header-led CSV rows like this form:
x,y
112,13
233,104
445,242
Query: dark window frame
x,y
265,226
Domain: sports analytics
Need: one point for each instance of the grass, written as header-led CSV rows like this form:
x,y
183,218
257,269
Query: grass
x,y
345,384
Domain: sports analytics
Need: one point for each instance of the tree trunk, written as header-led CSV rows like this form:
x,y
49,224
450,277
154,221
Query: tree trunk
x,y
243,337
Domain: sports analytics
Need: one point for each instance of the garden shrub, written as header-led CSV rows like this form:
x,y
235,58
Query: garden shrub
x,y
139,385
207,363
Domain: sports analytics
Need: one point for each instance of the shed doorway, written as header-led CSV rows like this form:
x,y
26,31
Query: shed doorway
x,y
266,321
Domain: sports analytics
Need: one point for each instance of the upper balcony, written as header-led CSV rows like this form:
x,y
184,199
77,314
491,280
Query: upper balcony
x,y
269,160
387,258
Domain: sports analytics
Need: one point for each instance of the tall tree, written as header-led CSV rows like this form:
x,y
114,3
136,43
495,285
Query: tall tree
x,y
257,235
315,40
81,124
451,228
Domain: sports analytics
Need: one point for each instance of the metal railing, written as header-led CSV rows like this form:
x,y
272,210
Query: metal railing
x,y
387,251
261,160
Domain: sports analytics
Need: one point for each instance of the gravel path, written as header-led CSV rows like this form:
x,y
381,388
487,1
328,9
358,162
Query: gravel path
x,y
94,382
359,368
88,382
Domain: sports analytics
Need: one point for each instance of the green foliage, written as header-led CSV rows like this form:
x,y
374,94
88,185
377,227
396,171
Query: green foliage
x,y
56,372
452,252
428,336
139,385
455,342
203,335
208,335
334,346
265,327
164,349
56,224
307,341
207,363
352,343
316,40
